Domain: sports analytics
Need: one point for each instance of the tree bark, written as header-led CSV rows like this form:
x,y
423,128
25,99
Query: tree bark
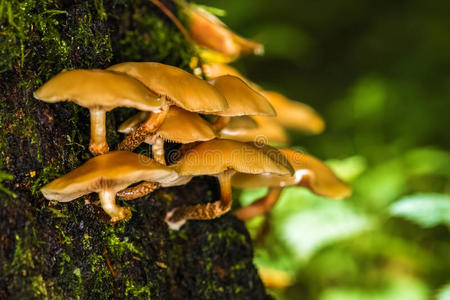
x,y
51,250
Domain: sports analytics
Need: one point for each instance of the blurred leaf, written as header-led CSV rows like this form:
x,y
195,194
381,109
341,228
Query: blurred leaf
x,y
423,161
250,195
444,293
322,224
427,210
283,40
349,168
382,184
369,96
396,289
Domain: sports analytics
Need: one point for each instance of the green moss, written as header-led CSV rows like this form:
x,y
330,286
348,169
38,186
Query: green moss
x,y
5,176
139,291
156,40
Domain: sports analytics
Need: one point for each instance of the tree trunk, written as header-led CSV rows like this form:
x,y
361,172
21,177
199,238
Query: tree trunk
x,y
68,250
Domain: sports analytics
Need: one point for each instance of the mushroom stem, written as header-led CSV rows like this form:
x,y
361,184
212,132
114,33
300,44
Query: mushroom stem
x,y
108,202
158,150
260,206
98,144
178,216
220,123
138,191
133,140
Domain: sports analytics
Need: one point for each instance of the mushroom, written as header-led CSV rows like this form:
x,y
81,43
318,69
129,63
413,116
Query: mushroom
x,y
222,158
179,126
242,100
193,129
221,43
266,131
179,87
99,91
106,175
309,172
295,115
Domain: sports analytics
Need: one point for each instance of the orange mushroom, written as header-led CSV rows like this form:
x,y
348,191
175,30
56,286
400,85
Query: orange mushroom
x,y
309,172
106,175
179,126
266,131
217,41
294,114
99,91
178,86
222,158
242,100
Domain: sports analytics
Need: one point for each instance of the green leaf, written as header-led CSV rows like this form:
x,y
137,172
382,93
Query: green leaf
x,y
444,292
320,225
427,210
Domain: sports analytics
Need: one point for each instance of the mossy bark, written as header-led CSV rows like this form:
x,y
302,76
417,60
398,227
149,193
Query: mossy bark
x,y
68,250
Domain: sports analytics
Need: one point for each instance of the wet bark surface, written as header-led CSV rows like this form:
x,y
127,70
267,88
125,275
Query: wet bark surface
x,y
69,250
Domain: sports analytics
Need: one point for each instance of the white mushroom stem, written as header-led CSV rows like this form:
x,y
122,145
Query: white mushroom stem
x,y
158,150
260,206
220,123
98,144
146,128
108,202
178,216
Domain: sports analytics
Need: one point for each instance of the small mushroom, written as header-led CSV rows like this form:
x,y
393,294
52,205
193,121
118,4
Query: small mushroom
x,y
179,126
106,175
179,87
242,100
294,114
208,31
222,158
266,131
309,172
100,91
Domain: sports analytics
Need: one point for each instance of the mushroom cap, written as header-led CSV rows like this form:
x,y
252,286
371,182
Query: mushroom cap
x,y
213,70
112,171
216,156
180,87
294,114
179,126
241,98
98,88
241,122
208,31
309,172
267,131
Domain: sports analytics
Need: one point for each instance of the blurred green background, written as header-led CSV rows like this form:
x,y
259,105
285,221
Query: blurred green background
x,y
378,72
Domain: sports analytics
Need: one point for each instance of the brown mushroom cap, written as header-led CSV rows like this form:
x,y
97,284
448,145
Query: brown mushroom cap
x,y
98,88
217,156
309,172
181,88
208,31
267,130
242,99
213,70
295,115
179,126
113,171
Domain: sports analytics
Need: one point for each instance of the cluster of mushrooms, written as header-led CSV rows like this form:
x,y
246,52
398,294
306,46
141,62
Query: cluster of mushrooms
x,y
224,126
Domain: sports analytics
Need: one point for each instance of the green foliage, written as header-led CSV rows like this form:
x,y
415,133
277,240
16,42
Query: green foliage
x,y
427,210
375,72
